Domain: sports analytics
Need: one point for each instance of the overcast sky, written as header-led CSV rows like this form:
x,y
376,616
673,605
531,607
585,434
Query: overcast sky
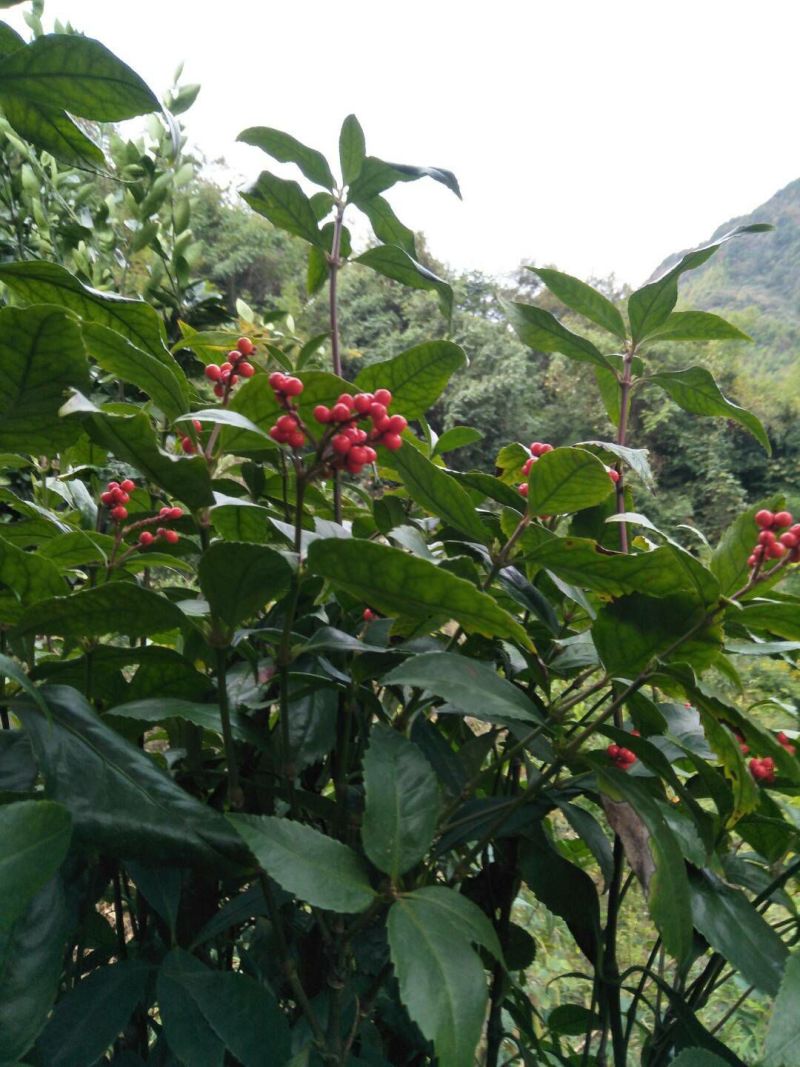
x,y
596,135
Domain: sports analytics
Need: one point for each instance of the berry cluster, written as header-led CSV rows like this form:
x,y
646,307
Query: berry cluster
x,y
537,449
621,757
288,429
774,545
226,375
117,495
187,444
763,770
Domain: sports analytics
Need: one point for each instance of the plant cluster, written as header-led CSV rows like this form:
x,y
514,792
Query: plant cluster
x,y
275,785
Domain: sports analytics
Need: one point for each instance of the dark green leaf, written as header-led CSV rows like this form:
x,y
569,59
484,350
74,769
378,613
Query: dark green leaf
x,y
387,227
695,390
474,687
29,576
118,607
783,1036
18,769
238,580
456,437
584,299
731,925
376,176
161,888
165,385
352,149
650,306
394,582
436,491
37,282
121,802
41,357
416,378
31,962
206,1011
668,888
90,1017
285,205
408,173
698,1057
158,709
573,1019
312,723
696,326
287,149
34,838
442,982
392,262
317,869
591,833
565,480
131,438
402,802
51,130
81,74
539,329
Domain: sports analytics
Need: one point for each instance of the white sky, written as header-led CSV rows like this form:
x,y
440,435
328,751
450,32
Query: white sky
x,y
596,135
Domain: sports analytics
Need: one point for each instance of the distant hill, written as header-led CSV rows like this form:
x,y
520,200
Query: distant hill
x,y
754,280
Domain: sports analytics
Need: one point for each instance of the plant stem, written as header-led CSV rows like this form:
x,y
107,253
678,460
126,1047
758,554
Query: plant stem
x,y
334,266
622,433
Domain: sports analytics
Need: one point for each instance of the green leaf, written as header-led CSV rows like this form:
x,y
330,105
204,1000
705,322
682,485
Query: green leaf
x,y
402,802
287,149
161,888
30,576
668,895
782,1048
663,571
87,1021
437,492
117,607
631,632
695,390
651,305
37,282
566,480
696,326
416,378
698,1057
409,173
206,1011
729,559
41,357
206,716
584,299
31,963
285,205
81,74
34,838
442,982
387,227
121,802
635,458
376,176
392,262
238,580
352,149
165,385
731,925
394,582
456,437
226,417
131,438
51,130
317,869
539,329
474,687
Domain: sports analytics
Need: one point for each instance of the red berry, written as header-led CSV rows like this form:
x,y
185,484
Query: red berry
x,y
776,551
119,513
113,485
341,443
297,439
292,387
339,413
225,368
175,513
362,402
382,423
789,539
197,425
392,441
752,560
247,370
357,455
164,512
783,518
347,400
245,346
527,465
397,423
275,434
146,538
108,498
371,454
368,616
545,449
213,372
383,396
171,536
764,518
287,423
219,391
377,410
128,486
187,444
277,380
523,488
767,537
321,413
613,751
613,475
